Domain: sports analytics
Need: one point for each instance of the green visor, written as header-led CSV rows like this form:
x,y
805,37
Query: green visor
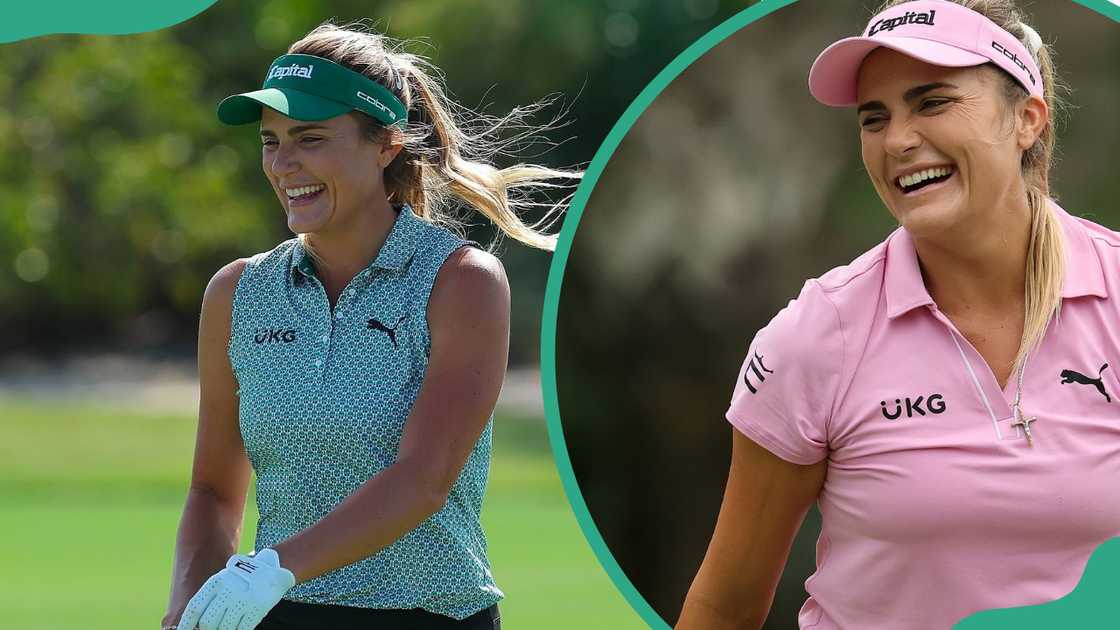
x,y
305,87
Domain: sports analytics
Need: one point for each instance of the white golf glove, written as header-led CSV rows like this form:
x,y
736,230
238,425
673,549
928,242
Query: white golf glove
x,y
239,596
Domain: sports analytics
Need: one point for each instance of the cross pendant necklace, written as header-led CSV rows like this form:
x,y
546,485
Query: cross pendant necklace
x,y
1020,420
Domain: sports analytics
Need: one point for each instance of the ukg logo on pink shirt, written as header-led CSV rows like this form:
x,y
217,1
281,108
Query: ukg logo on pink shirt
x,y
935,404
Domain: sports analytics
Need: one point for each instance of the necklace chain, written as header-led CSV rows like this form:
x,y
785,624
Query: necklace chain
x,y
1019,385
1017,408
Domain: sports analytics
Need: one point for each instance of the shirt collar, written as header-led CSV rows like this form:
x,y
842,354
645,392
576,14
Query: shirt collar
x,y
301,262
395,252
903,283
1084,271
906,291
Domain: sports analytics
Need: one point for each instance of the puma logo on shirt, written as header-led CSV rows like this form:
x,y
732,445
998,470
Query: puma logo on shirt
x,y
1071,376
373,324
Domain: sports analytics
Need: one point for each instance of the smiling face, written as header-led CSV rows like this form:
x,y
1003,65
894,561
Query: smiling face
x,y
324,172
941,145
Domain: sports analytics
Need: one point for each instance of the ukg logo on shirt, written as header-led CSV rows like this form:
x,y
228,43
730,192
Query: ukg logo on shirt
x,y
889,24
935,404
294,70
274,335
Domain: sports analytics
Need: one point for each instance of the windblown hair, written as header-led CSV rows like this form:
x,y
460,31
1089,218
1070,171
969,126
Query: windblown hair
x,y
1045,256
448,149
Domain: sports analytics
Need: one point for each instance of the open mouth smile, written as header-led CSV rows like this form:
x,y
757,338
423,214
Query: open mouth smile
x,y
924,179
304,194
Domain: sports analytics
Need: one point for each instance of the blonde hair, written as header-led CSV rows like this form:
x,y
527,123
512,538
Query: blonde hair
x,y
448,149
1045,255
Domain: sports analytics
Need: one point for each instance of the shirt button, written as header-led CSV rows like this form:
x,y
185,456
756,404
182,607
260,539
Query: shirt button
x,y
325,338
338,315
318,363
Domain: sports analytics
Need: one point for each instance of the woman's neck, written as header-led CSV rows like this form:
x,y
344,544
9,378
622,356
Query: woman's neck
x,y
345,250
979,269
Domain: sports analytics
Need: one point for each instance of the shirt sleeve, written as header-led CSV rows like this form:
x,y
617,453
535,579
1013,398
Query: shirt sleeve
x,y
784,395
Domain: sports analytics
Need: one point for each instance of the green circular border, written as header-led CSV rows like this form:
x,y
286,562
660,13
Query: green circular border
x,y
26,19
560,261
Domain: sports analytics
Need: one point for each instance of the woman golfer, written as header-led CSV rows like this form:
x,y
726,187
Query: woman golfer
x,y
950,398
355,368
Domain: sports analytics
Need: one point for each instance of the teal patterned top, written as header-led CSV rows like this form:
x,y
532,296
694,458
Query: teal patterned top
x,y
323,401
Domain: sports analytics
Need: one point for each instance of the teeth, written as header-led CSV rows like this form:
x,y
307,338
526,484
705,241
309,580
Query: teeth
x,y
907,181
303,190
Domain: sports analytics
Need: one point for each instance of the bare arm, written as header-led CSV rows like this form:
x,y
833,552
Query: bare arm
x,y
763,506
210,528
468,316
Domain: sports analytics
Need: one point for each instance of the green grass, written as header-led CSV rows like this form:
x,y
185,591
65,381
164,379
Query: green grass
x,y
90,499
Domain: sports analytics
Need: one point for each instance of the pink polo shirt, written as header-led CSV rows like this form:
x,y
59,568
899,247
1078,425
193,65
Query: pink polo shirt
x,y
934,507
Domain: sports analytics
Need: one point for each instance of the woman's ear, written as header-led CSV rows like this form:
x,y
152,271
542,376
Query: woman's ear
x,y
388,153
1034,115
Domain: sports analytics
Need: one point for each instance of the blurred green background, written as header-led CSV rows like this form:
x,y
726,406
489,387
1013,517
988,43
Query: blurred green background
x,y
728,192
121,194
92,496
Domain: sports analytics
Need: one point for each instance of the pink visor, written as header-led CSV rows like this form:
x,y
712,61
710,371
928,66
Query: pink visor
x,y
935,31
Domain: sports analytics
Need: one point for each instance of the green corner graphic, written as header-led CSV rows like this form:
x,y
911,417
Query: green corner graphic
x,y
1083,605
1089,602
24,20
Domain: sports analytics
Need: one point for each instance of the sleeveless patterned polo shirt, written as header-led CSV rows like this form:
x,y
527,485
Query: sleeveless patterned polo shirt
x,y
323,401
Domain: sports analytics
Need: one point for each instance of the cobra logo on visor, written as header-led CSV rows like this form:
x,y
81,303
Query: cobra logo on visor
x,y
376,103
1014,59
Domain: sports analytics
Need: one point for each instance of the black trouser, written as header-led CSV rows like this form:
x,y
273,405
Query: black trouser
x,y
299,616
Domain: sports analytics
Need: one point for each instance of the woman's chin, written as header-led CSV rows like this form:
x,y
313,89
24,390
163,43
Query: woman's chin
x,y
927,220
300,222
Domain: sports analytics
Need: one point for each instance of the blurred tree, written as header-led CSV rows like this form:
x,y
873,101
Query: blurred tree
x,y
121,194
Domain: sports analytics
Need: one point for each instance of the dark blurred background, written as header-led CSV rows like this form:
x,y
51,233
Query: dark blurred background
x,y
121,194
730,191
